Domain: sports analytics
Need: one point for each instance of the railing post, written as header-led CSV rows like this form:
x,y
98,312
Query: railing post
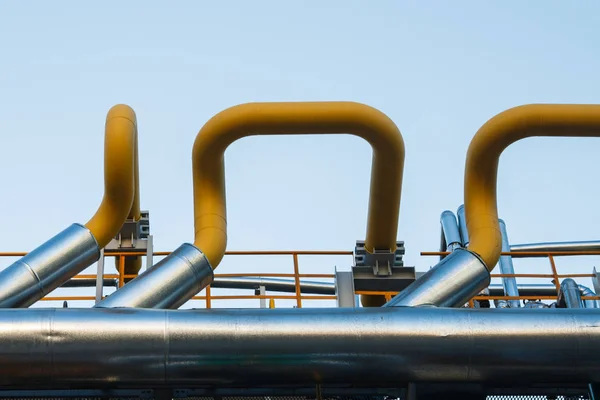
x,y
149,251
263,300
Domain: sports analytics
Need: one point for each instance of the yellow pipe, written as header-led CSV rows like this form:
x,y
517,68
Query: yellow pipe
x,y
120,139
493,137
133,264
297,119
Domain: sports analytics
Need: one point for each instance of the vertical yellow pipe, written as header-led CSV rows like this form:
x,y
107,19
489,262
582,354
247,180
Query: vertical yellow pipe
x,y
296,119
489,142
119,159
133,264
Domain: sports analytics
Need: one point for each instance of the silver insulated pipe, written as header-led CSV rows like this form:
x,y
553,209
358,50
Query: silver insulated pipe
x,y
586,291
506,267
592,245
48,267
569,295
67,348
169,283
451,283
450,231
462,225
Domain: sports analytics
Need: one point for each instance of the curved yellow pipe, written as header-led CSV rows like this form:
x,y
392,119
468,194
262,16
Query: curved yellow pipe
x,y
297,119
484,152
120,139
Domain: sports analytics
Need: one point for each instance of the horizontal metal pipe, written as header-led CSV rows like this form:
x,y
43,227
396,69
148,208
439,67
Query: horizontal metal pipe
x,y
586,291
274,285
592,245
89,282
168,284
47,267
69,348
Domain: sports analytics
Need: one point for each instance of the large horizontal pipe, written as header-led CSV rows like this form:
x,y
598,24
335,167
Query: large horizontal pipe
x,y
70,348
71,251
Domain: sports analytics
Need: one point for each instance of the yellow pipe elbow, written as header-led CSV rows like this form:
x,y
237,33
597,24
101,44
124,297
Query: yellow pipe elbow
x,y
294,119
493,137
120,150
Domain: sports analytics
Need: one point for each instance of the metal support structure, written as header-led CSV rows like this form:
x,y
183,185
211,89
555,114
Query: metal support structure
x,y
262,291
382,270
344,288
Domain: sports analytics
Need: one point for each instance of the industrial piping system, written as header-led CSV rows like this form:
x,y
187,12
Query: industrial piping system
x,y
462,274
69,348
178,277
77,247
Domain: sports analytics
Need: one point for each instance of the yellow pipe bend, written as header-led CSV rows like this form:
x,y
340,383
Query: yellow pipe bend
x,y
297,118
493,137
120,150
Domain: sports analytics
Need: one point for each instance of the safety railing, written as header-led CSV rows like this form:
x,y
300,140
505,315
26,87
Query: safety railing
x,y
298,297
207,296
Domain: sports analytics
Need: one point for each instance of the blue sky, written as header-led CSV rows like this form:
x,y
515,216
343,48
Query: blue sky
x,y
438,69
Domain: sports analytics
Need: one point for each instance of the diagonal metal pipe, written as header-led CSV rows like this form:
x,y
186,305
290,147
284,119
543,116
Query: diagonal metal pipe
x,y
67,348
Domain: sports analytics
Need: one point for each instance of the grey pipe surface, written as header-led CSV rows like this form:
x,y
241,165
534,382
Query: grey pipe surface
x,y
47,267
69,348
169,283
592,245
450,231
506,267
586,291
569,295
462,225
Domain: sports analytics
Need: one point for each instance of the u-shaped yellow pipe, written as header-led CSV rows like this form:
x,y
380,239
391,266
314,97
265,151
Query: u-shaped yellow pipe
x,y
484,153
120,175
297,119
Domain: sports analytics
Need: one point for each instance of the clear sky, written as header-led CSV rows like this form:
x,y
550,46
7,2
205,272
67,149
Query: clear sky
x,y
438,69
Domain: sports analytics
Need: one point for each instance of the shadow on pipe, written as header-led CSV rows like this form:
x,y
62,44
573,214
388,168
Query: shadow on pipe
x,y
77,247
462,274
180,276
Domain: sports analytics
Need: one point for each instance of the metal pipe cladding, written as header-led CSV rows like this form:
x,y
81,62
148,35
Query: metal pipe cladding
x,y
47,267
167,284
451,283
